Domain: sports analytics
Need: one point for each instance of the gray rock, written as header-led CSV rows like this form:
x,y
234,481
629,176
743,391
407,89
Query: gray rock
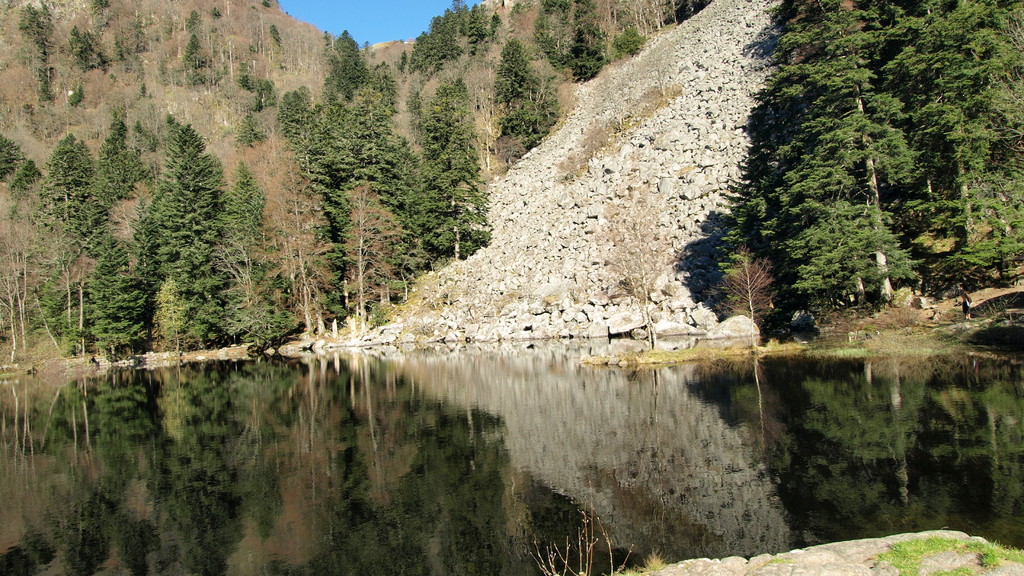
x,y
802,321
625,322
735,327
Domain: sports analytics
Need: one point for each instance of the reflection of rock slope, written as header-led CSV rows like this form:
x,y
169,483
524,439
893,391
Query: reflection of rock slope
x,y
660,467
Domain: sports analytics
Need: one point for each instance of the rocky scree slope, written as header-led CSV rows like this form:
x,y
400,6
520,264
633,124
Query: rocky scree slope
x,y
668,123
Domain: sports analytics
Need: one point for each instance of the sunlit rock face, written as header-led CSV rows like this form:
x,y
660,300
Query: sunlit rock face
x,y
626,443
669,124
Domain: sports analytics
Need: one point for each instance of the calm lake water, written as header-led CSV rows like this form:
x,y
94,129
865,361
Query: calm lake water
x,y
476,461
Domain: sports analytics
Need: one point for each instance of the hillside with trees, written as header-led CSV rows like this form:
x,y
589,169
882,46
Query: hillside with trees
x,y
887,151
187,175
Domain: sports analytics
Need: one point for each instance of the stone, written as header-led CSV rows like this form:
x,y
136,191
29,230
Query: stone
x,y
802,321
672,328
625,322
597,330
735,327
703,317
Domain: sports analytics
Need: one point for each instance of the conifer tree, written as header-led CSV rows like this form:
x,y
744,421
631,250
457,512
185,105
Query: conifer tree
x,y
184,226
253,311
346,68
66,194
11,157
118,166
25,177
529,109
452,219
117,300
249,132
966,213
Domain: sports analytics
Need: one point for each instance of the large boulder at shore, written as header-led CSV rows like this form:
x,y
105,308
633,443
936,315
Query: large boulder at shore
x,y
852,558
735,327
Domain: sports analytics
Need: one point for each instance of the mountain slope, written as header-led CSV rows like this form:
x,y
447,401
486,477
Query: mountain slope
x,y
667,127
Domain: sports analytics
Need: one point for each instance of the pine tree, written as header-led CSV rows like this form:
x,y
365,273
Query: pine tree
x,y
118,167
346,69
834,156
117,301
11,157
967,210
184,226
26,176
66,194
253,312
249,132
529,109
452,221
194,61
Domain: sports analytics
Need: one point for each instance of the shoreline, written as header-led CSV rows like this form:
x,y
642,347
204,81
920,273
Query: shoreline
x,y
910,554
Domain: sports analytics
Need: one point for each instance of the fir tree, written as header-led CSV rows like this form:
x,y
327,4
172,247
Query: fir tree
x,y
118,167
346,69
452,219
117,301
253,311
249,132
11,157
186,226
26,176
66,194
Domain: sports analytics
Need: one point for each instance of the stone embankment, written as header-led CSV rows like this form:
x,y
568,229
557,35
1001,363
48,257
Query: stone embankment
x,y
853,558
669,124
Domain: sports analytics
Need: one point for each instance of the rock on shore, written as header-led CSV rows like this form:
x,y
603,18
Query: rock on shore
x,y
852,558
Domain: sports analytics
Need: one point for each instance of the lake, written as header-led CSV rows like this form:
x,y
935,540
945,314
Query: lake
x,y
482,460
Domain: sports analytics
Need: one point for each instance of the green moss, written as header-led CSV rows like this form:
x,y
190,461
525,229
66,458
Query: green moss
x,y
907,556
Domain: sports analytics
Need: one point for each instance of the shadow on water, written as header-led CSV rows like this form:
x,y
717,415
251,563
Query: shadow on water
x,y
474,460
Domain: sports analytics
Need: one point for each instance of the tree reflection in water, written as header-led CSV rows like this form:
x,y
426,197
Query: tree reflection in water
x,y
462,462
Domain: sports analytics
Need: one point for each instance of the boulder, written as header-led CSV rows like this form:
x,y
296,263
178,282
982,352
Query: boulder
x,y
703,317
802,321
625,322
735,327
671,328
597,330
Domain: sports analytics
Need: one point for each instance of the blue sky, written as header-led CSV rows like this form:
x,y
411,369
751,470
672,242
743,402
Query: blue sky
x,y
369,20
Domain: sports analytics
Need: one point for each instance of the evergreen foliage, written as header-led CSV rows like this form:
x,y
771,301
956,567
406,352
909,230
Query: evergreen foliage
x,y
185,220
249,131
66,199
629,42
346,68
452,215
11,157
118,166
529,107
877,155
570,36
25,177
85,50
117,310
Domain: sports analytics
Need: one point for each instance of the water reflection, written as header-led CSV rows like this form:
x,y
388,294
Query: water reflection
x,y
464,461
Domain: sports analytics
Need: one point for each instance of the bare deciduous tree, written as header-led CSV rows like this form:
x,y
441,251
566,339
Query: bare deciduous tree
x,y
294,216
747,285
640,251
370,244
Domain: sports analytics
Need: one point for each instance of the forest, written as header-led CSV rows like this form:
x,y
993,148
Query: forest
x,y
887,151
184,176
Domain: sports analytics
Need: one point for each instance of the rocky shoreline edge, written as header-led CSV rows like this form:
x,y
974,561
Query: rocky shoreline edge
x,y
942,552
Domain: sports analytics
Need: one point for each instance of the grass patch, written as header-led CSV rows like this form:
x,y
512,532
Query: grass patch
x,y
907,556
652,563
662,357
